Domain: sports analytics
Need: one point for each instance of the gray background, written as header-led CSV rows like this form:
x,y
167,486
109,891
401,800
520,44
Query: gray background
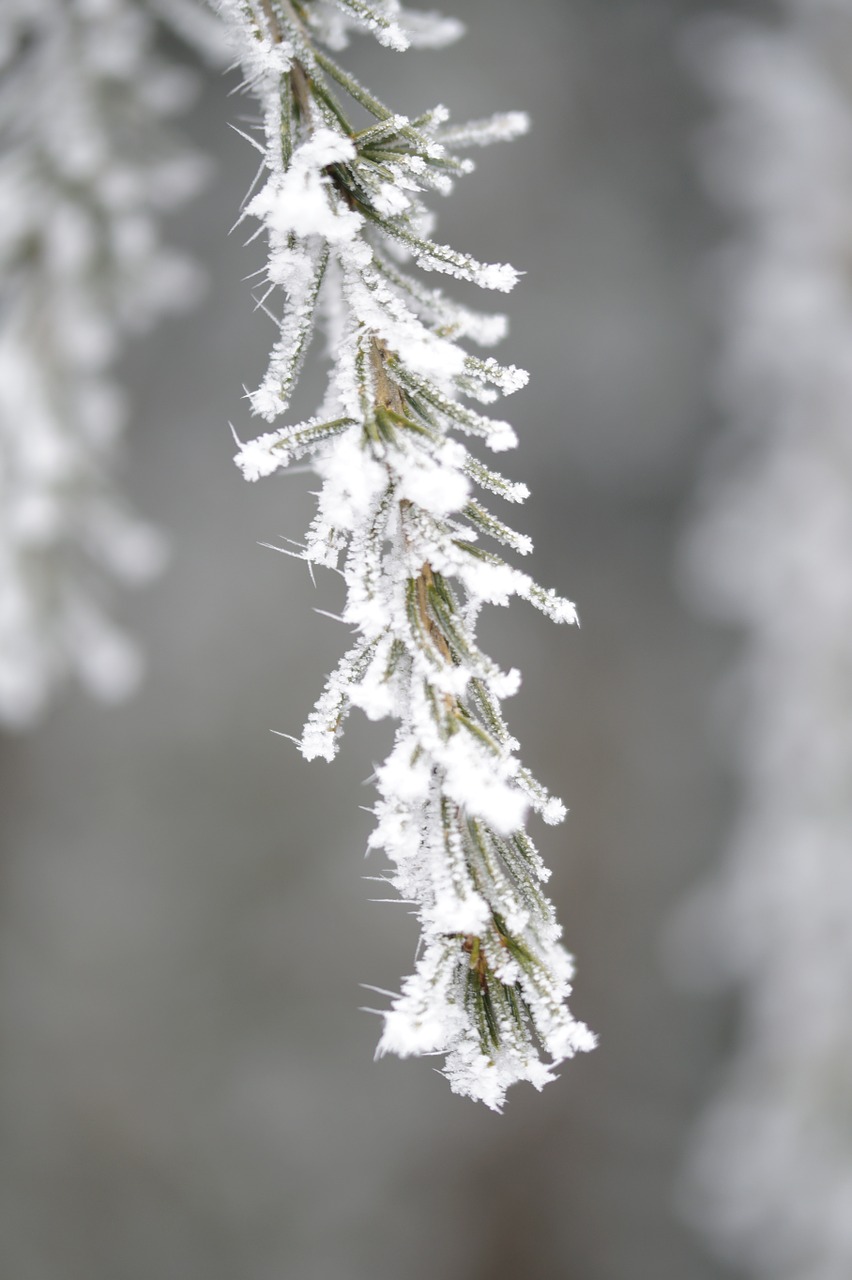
x,y
187,1083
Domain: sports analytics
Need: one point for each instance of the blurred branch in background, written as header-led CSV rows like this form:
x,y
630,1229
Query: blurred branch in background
x,y
771,551
88,171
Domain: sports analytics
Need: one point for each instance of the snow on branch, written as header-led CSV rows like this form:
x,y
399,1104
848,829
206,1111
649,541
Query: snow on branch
x,y
342,208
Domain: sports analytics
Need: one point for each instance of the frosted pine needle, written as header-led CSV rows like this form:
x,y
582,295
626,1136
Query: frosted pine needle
x,y
342,210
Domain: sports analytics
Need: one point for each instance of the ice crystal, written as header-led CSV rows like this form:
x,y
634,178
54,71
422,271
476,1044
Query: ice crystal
x,y
342,208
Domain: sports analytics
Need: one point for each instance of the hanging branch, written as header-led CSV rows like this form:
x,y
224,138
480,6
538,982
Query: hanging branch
x,y
342,211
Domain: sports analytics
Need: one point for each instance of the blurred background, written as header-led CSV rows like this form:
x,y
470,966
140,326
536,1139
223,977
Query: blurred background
x,y
187,1084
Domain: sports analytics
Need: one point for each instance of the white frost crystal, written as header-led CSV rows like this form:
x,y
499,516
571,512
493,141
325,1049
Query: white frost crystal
x,y
341,208
86,172
773,552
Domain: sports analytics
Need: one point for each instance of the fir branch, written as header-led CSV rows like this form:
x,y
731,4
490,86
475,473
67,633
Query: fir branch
x,y
491,980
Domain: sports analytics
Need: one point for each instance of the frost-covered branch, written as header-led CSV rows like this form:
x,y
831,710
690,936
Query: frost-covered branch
x,y
772,551
340,202
87,171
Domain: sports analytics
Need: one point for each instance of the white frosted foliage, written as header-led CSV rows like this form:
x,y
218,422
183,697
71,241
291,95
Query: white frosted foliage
x,y
400,516
770,551
88,167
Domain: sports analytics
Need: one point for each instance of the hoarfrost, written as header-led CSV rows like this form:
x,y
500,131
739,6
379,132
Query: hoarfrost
x,y
342,211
